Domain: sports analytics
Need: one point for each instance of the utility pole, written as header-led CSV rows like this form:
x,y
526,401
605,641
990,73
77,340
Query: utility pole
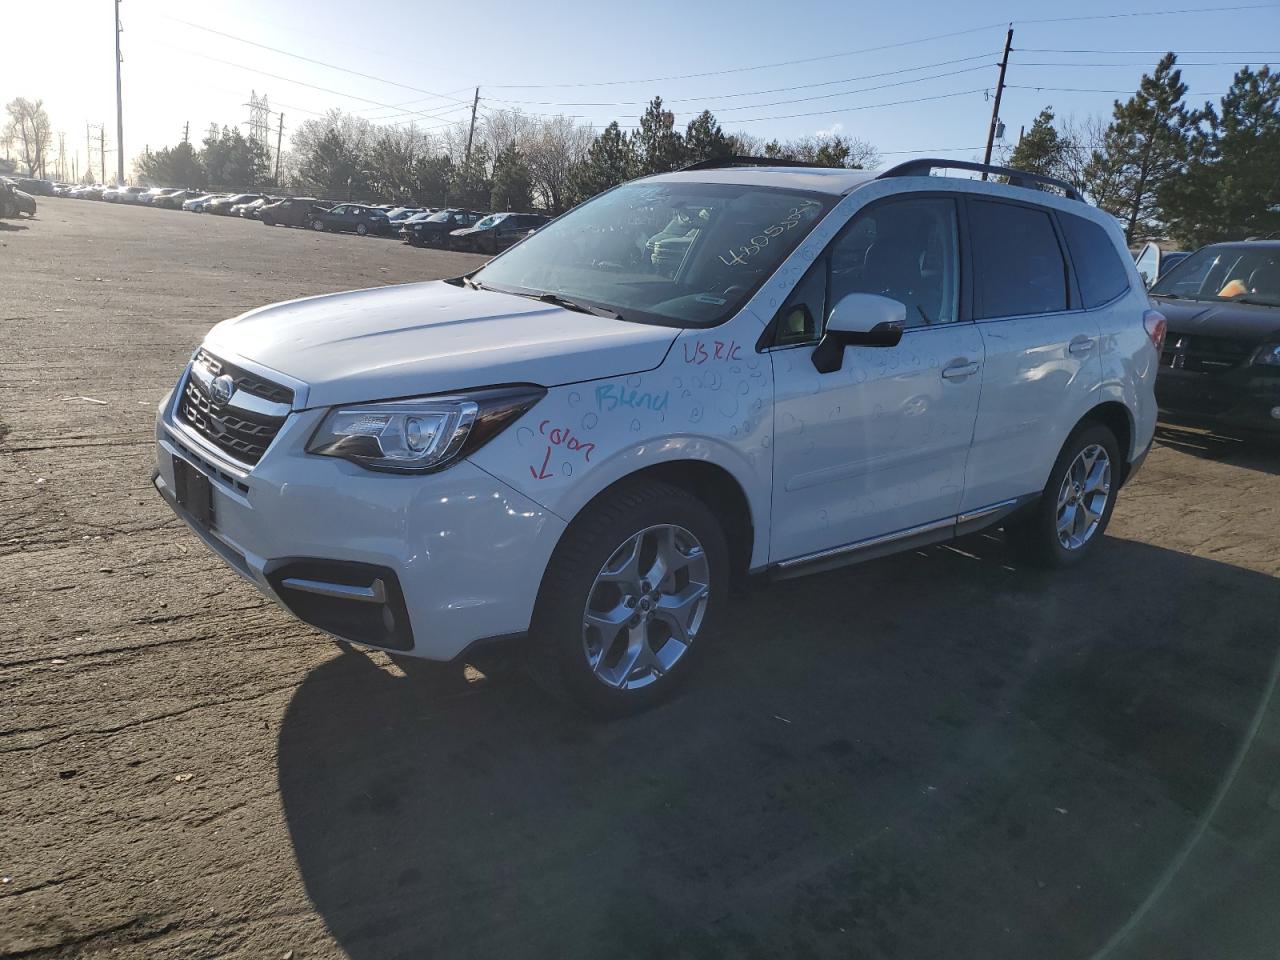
x,y
279,141
88,152
995,107
62,155
119,108
472,132
186,132
102,152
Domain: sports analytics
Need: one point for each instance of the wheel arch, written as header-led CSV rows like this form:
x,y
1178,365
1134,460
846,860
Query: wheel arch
x,y
1117,418
714,485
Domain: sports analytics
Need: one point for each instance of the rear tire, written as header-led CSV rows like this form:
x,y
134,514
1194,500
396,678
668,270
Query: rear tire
x,y
1067,522
603,633
362,230
317,225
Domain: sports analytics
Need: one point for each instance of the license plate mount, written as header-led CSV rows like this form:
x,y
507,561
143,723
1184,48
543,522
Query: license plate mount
x,y
194,492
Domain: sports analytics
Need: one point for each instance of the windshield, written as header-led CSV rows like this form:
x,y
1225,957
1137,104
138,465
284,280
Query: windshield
x,y
1241,273
440,217
676,253
490,220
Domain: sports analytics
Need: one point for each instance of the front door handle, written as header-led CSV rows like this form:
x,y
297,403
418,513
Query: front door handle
x,y
959,370
1080,345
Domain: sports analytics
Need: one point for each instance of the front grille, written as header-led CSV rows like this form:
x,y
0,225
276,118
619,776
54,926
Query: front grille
x,y
244,435
1198,353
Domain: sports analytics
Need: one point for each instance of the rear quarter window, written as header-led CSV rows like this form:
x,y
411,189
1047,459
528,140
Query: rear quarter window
x,y
1099,270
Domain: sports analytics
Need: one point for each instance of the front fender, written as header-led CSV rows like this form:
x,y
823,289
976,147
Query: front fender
x,y
708,402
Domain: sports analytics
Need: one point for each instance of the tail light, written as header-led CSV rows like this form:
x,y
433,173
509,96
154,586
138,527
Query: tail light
x,y
1155,324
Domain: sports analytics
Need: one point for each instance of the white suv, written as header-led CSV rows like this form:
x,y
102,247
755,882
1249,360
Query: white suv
x,y
730,370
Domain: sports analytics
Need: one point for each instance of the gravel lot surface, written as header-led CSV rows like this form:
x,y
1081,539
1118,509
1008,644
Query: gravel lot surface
x,y
936,755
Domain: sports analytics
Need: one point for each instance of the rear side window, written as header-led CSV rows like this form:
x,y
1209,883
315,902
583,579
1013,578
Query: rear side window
x,y
1020,266
1101,274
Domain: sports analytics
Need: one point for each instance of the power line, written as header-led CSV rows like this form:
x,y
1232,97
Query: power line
x,y
1016,86
1157,53
749,93
1152,13
1133,63
759,66
864,106
298,56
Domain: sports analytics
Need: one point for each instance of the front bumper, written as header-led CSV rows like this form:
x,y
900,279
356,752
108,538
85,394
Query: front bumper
x,y
428,565
1244,397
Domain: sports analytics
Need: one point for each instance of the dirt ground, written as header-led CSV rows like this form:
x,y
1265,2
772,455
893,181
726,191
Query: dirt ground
x,y
936,755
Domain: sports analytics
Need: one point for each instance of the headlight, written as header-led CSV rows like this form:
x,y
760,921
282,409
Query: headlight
x,y
1269,355
421,434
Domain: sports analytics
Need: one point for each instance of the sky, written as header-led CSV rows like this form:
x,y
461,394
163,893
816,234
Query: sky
x,y
913,78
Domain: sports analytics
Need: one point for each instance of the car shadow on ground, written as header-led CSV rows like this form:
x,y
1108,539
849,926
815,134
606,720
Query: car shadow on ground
x,y
12,227
937,754
1239,449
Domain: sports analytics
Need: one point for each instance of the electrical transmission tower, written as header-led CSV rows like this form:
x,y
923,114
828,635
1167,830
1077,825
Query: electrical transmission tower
x,y
259,118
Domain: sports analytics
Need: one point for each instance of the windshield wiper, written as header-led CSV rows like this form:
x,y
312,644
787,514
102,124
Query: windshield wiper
x,y
1255,300
574,305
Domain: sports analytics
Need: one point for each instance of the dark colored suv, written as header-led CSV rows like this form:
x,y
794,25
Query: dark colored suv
x,y
351,218
291,212
1221,357
434,230
496,232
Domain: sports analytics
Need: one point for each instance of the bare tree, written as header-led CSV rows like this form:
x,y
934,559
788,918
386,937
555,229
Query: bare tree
x,y
1082,139
503,130
553,155
30,128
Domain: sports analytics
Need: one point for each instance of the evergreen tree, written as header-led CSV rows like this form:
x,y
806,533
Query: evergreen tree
x,y
512,182
234,163
704,140
1041,149
176,166
472,186
1231,187
1145,144
661,148
611,160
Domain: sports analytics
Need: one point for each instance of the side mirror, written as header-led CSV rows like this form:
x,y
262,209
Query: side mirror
x,y
859,320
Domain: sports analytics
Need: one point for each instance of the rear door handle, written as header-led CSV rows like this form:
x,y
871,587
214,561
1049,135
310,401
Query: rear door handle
x,y
1080,345
959,370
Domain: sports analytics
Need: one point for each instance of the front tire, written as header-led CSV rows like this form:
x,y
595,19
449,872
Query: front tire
x,y
317,225
1066,523
629,598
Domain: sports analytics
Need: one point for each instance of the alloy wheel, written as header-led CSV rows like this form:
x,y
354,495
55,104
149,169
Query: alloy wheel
x,y
1083,496
645,607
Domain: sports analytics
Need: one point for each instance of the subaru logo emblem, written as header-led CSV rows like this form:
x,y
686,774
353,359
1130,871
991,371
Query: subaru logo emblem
x,y
221,389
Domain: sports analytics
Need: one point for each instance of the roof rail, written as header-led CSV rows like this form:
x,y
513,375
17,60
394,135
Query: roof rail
x,y
1017,178
716,164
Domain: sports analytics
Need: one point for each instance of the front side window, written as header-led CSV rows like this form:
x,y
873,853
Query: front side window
x,y
905,249
677,253
1021,271
1244,274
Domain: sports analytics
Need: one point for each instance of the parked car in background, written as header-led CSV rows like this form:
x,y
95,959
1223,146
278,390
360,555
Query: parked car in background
x,y
250,210
1154,262
434,230
9,203
289,212
34,186
130,194
1221,357
150,196
87,192
222,205
197,204
846,427
496,232
175,199
398,215
352,218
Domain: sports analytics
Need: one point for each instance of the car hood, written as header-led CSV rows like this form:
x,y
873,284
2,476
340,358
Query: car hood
x,y
1243,320
426,338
